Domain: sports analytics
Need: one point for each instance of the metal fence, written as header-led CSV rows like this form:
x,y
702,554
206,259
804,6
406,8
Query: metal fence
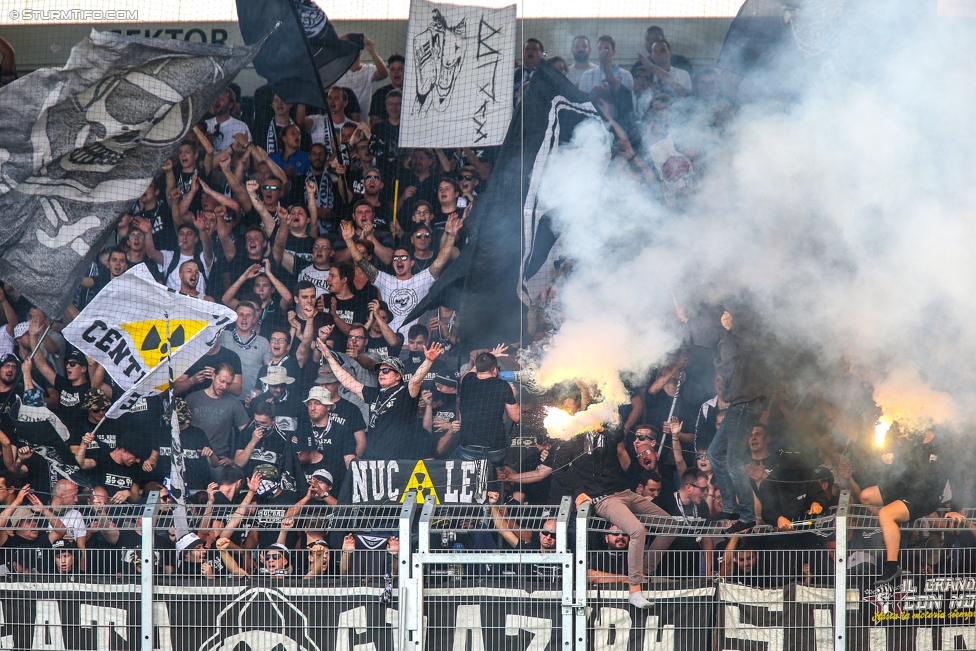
x,y
475,578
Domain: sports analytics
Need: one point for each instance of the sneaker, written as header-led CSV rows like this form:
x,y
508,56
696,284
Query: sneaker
x,y
889,576
741,526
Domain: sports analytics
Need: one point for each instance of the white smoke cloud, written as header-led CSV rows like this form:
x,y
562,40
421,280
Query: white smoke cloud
x,y
847,218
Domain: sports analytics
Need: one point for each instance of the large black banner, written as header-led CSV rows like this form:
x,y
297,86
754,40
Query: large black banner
x,y
337,614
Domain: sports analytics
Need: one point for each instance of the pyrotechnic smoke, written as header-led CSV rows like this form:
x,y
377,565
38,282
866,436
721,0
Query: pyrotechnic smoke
x,y
845,218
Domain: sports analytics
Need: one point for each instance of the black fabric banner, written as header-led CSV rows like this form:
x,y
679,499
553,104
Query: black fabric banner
x,y
79,144
504,243
335,614
388,482
303,55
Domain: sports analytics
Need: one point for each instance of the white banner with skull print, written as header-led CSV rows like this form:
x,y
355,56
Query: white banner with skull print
x,y
79,144
459,83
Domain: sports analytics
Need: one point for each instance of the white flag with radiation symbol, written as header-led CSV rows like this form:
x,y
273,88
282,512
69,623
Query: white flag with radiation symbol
x,y
135,323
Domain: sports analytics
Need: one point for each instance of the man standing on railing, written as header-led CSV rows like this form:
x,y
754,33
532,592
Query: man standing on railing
x,y
594,471
914,486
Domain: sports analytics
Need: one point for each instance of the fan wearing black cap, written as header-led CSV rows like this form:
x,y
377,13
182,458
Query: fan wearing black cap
x,y
10,383
115,469
441,415
392,406
71,389
63,563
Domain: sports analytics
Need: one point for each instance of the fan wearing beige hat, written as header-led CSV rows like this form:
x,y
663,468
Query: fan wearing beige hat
x,y
280,393
324,443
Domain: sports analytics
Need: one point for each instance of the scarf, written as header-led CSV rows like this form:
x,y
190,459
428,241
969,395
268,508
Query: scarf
x,y
324,195
272,147
244,345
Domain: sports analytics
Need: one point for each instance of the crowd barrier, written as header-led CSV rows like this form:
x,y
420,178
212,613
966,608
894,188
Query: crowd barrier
x,y
445,588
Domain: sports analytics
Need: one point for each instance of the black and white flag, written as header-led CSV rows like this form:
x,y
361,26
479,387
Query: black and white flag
x,y
79,144
459,80
494,266
303,55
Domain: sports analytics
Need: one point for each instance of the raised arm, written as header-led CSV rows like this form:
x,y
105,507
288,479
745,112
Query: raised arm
x,y
282,257
286,297
267,221
39,360
451,229
349,235
145,226
431,354
381,71
345,378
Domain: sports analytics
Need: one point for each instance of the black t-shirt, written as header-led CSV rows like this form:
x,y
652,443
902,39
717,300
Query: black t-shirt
x,y
69,399
381,347
356,308
348,415
27,553
268,516
301,248
113,476
482,403
334,442
392,421
271,449
196,473
222,355
671,502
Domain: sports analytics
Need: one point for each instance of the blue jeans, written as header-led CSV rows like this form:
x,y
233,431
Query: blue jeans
x,y
495,457
729,454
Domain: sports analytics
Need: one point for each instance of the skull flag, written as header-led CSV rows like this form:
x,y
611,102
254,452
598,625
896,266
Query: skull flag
x,y
133,340
459,83
79,144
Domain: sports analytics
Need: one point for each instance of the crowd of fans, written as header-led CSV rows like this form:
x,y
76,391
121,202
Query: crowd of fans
x,y
303,236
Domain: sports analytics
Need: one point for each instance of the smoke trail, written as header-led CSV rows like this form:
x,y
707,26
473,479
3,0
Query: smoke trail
x,y
845,217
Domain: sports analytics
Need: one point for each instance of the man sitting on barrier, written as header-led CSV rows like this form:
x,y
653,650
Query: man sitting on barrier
x,y
912,487
595,473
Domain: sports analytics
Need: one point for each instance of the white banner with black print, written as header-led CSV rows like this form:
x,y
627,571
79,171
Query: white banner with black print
x,y
459,84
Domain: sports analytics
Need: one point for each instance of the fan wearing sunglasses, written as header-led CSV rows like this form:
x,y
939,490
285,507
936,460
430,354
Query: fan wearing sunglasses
x,y
71,388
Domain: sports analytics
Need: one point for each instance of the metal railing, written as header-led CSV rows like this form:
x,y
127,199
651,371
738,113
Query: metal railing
x,y
431,577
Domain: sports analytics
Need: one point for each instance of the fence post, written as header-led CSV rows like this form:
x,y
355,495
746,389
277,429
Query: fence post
x,y
147,567
562,535
407,593
582,519
840,572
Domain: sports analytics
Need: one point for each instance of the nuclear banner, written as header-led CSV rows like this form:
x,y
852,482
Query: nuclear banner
x,y
459,84
388,481
132,339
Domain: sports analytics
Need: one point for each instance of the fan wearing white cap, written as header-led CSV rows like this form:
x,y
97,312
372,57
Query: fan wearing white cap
x,y
392,431
194,559
280,394
324,446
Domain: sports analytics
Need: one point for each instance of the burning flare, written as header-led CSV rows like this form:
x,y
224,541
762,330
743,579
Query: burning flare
x,y
880,430
562,425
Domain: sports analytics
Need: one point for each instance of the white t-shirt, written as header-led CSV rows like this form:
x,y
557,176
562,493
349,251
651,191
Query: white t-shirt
x,y
228,128
74,523
320,135
361,83
403,295
173,280
6,342
317,277
594,77
575,74
683,78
